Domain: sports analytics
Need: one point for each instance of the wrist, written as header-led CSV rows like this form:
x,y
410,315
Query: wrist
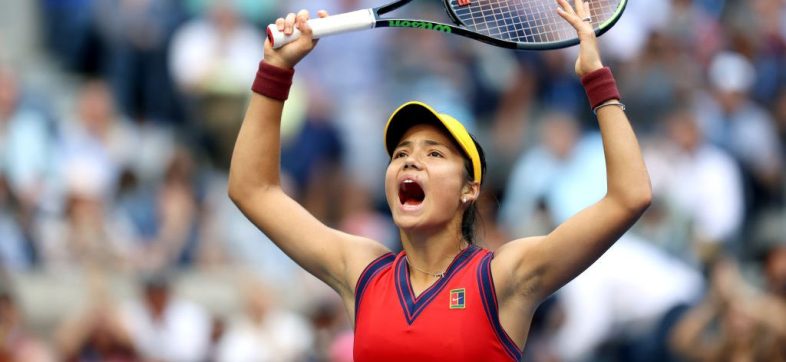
x,y
276,62
611,102
600,87
273,81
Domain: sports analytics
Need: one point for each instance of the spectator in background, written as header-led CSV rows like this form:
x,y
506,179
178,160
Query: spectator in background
x,y
165,327
515,106
67,29
165,214
564,171
661,76
137,34
730,120
775,271
538,85
766,34
212,53
25,146
266,332
227,232
613,316
695,31
210,59
629,36
750,329
359,217
16,343
85,234
330,327
312,157
99,136
16,252
96,334
83,230
701,187
172,239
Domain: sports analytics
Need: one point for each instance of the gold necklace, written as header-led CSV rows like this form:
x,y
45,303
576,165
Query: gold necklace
x,y
436,275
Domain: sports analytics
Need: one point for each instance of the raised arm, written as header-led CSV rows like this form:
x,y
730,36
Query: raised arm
x,y
536,267
254,185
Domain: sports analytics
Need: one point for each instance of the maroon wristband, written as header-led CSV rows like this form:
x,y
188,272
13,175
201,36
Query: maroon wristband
x,y
600,86
272,81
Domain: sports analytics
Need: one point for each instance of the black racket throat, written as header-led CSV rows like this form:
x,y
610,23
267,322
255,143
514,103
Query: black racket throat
x,y
382,10
457,29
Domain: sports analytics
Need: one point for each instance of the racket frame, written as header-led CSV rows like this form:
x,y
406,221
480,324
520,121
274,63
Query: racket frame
x,y
361,19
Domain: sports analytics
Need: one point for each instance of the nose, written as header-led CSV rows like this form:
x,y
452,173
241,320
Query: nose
x,y
411,163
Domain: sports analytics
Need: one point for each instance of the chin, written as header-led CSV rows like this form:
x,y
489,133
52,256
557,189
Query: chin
x,y
408,221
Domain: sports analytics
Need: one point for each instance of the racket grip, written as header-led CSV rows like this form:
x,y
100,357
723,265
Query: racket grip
x,y
334,24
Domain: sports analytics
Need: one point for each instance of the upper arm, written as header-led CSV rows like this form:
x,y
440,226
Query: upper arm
x,y
332,256
536,267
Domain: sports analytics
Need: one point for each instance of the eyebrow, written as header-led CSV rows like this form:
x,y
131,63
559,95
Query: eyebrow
x,y
404,144
427,142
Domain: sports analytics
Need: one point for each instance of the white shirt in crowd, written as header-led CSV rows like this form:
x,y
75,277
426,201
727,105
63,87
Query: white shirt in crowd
x,y
182,334
280,336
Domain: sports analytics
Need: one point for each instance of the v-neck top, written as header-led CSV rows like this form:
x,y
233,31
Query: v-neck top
x,y
455,319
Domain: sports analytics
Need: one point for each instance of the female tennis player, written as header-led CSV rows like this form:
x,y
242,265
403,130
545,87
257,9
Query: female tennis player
x,y
442,298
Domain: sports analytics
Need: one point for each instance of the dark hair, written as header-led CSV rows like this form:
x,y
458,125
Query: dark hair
x,y
470,217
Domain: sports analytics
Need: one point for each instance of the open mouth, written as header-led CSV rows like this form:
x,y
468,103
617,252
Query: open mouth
x,y
410,193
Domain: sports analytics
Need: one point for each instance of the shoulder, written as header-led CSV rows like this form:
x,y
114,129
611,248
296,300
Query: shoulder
x,y
363,256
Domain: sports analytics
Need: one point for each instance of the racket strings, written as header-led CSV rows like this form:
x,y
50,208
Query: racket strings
x,y
526,21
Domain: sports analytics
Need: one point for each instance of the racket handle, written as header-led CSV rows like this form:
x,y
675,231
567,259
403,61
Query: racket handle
x,y
334,24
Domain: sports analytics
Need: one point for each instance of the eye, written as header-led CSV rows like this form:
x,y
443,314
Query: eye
x,y
435,154
399,154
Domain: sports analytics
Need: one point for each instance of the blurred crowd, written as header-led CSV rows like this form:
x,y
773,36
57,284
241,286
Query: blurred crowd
x,y
118,242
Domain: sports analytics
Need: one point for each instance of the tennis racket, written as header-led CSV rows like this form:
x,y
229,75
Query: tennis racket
x,y
515,24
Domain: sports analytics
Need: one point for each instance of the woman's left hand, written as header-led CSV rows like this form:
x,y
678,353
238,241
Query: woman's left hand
x,y
589,55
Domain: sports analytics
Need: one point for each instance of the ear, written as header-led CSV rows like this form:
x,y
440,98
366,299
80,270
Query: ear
x,y
470,192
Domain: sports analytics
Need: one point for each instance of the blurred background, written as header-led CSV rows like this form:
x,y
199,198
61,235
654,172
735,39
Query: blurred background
x,y
117,120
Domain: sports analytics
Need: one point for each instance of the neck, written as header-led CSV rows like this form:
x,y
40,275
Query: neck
x,y
431,253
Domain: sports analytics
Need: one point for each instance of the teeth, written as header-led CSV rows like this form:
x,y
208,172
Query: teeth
x,y
409,181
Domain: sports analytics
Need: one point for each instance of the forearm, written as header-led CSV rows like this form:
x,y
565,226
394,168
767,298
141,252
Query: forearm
x,y
627,179
256,157
628,183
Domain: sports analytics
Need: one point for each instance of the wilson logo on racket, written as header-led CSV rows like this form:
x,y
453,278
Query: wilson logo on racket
x,y
463,2
420,25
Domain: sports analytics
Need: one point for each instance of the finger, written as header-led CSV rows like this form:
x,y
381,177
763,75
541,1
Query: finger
x,y
565,7
280,24
322,14
302,22
587,12
289,23
303,14
581,9
566,13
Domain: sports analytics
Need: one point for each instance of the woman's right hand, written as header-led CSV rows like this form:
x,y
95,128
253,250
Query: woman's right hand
x,y
289,55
